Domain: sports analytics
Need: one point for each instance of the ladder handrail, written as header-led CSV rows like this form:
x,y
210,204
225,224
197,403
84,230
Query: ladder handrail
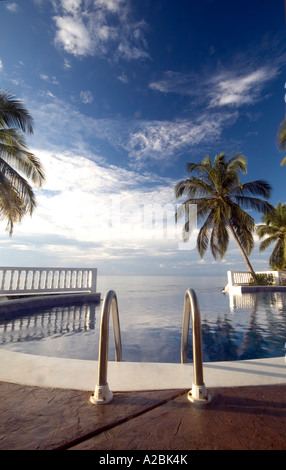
x,y
102,393
191,307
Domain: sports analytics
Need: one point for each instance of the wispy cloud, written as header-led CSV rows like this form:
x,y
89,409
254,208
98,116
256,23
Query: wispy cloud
x,y
123,78
12,7
232,86
52,80
99,28
176,82
67,64
86,96
143,142
159,141
237,89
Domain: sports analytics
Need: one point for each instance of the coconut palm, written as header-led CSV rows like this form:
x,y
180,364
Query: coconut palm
x,y
274,229
17,164
282,139
220,198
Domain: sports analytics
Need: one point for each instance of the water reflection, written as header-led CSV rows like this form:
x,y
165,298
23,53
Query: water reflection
x,y
261,335
219,341
249,300
151,329
45,323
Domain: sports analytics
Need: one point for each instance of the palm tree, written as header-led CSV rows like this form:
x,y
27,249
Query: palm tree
x,y
17,164
282,139
274,228
220,198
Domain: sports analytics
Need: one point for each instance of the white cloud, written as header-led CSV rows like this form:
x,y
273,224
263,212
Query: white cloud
x,y
78,197
86,97
111,5
86,210
99,28
232,87
12,7
123,78
71,6
235,89
67,64
164,140
73,35
144,142
176,82
53,80
49,94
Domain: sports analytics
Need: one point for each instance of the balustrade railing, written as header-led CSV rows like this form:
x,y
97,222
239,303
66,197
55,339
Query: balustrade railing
x,y
18,280
240,278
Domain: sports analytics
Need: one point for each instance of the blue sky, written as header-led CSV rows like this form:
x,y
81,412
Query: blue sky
x,y
123,93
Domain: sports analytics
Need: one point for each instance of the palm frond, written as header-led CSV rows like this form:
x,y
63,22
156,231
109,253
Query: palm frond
x,y
256,188
201,168
243,225
265,230
204,235
267,242
13,149
193,187
276,218
277,258
14,114
282,135
253,203
219,240
237,163
11,181
12,207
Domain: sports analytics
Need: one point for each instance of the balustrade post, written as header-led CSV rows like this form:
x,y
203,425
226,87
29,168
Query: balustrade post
x,y
93,280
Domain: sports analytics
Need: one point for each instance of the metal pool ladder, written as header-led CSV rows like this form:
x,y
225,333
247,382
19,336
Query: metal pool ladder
x,y
198,393
102,394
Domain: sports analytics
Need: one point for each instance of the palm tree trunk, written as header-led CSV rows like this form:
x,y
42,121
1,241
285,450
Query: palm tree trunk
x,y
245,257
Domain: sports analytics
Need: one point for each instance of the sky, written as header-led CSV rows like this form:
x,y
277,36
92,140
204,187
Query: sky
x,y
123,93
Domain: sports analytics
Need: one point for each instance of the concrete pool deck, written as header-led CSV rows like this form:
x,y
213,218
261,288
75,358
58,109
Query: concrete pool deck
x,y
45,405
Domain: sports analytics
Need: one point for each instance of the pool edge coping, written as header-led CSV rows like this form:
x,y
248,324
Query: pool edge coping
x,y
78,374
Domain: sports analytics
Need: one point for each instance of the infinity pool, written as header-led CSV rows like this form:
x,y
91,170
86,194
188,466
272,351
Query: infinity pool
x,y
151,308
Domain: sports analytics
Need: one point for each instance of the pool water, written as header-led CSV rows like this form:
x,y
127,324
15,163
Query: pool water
x,y
151,309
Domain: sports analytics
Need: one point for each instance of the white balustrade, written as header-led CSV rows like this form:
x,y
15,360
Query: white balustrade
x,y
17,281
240,278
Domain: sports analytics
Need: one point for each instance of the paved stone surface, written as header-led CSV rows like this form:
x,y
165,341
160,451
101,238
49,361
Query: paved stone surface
x,y
34,418
243,418
236,418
